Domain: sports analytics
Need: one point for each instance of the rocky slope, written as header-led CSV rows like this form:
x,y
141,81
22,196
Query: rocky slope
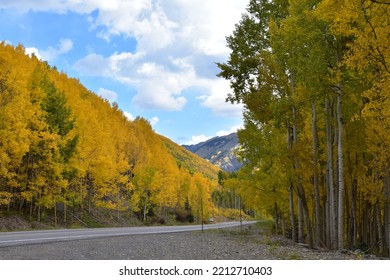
x,y
220,150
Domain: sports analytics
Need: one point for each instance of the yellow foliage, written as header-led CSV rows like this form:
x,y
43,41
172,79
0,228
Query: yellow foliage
x,y
101,158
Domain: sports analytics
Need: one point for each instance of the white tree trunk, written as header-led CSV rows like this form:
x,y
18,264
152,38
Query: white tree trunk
x,y
340,157
292,214
332,215
317,205
291,193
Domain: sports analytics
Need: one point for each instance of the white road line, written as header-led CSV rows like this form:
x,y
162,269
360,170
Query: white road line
x,y
102,233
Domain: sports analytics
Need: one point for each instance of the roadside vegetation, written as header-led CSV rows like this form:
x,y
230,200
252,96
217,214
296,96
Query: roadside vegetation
x,y
313,77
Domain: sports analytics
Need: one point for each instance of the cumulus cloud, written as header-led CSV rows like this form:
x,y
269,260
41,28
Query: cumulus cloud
x,y
129,116
195,139
153,121
216,100
107,94
227,132
205,24
33,51
51,53
177,44
158,87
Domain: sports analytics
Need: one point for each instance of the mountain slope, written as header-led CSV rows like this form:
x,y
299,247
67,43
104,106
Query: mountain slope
x,y
61,144
220,151
189,160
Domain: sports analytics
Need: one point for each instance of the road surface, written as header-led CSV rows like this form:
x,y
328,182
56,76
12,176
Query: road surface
x,y
46,236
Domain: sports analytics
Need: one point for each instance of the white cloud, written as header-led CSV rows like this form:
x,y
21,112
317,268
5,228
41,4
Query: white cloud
x,y
178,42
204,24
157,87
51,53
31,51
227,132
198,139
216,100
153,121
93,65
65,45
195,139
108,94
129,116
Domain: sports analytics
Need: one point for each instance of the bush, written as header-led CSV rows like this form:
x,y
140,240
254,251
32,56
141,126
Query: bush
x,y
184,216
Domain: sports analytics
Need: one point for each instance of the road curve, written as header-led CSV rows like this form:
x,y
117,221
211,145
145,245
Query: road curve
x,y
17,238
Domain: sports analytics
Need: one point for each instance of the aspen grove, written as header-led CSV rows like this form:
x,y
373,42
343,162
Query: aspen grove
x,y
315,83
61,144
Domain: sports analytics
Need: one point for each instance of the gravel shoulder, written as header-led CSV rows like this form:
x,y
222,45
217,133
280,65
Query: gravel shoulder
x,y
224,244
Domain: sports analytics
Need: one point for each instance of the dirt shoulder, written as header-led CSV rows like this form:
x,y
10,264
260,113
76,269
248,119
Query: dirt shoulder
x,y
253,243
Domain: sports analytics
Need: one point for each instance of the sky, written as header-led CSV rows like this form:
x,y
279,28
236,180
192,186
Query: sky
x,y
154,58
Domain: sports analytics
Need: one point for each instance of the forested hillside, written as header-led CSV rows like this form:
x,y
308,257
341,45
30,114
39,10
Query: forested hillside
x,y
61,144
315,83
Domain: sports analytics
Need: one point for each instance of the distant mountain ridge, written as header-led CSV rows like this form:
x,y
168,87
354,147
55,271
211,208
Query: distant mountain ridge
x,y
220,151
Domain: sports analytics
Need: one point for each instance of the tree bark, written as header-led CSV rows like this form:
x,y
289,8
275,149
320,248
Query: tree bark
x,y
303,210
353,219
300,220
379,227
291,192
332,216
387,206
317,204
292,214
340,157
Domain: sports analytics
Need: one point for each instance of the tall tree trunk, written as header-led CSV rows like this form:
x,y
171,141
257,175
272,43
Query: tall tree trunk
x,y
379,227
331,191
296,166
386,222
387,199
317,204
292,214
353,219
327,220
276,212
276,217
55,214
300,220
303,207
302,202
65,214
39,206
145,205
291,190
340,157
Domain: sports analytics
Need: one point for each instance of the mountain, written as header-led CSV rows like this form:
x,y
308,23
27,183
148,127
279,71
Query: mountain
x,y
220,151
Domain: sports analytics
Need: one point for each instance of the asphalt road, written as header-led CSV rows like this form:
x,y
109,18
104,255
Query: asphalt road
x,y
17,238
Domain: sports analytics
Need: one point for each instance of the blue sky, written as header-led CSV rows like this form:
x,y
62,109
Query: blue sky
x,y
155,58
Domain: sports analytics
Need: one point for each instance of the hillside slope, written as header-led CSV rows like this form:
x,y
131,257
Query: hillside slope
x,y
191,161
64,147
